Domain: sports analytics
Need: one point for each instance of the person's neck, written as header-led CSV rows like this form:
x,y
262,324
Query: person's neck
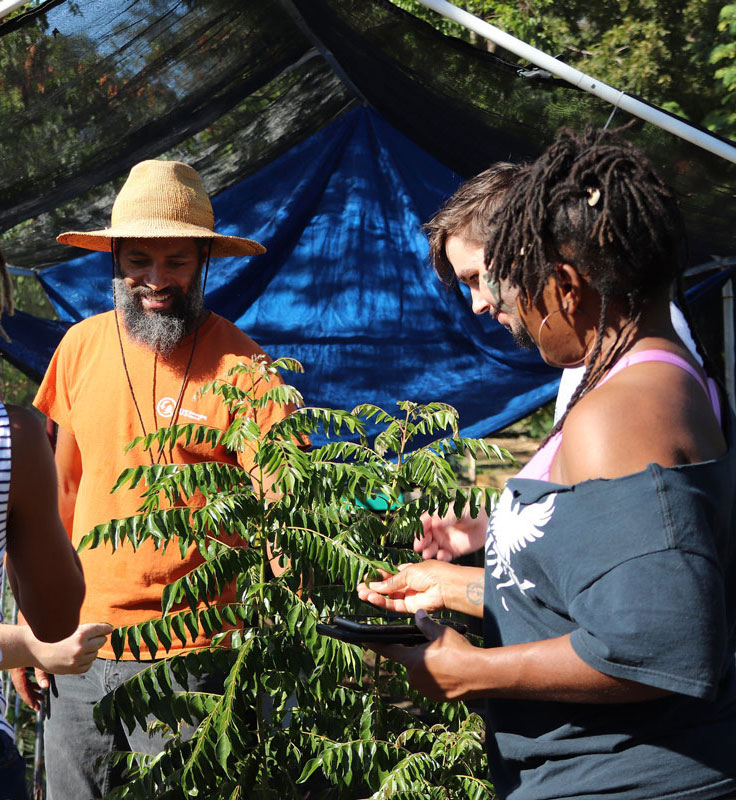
x,y
654,329
203,317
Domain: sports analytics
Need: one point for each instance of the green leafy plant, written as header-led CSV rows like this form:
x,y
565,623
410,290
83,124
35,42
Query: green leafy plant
x,y
298,709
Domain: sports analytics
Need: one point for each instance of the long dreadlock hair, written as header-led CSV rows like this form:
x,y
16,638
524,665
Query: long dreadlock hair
x,y
594,201
6,294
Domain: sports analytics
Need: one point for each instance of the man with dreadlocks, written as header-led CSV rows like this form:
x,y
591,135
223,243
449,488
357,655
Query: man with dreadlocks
x,y
608,596
116,376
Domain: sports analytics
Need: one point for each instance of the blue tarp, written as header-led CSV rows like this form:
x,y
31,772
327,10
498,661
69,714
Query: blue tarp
x,y
33,341
345,286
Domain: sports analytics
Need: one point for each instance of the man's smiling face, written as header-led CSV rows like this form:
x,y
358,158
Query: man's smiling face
x,y
158,290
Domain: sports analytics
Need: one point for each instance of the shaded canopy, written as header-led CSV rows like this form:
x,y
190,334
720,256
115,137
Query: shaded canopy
x,y
330,130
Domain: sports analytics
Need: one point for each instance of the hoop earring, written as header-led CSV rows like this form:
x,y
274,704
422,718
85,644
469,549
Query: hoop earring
x,y
576,363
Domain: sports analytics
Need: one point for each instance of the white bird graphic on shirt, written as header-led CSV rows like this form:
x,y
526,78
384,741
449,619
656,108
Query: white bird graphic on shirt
x,y
511,528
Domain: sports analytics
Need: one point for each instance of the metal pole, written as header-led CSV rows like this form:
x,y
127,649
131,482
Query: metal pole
x,y
729,342
20,270
39,782
8,6
577,78
709,266
6,674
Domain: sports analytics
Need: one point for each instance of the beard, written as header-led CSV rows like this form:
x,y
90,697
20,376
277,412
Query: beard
x,y
160,331
521,338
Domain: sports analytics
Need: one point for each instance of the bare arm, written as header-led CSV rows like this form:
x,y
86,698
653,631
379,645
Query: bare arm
x,y
69,470
673,424
43,568
75,654
450,668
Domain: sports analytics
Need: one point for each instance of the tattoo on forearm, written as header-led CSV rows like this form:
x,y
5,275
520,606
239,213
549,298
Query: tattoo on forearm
x,y
474,592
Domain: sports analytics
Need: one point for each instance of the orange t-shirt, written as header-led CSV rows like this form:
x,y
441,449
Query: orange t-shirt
x,y
86,392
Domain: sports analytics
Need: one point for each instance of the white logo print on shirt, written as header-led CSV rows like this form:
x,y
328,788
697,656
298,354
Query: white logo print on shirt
x,y
165,408
510,529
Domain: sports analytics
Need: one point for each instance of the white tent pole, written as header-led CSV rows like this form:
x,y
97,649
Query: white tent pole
x,y
581,80
6,6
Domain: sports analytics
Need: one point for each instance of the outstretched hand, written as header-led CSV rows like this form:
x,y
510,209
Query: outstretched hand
x,y
448,537
443,668
413,587
73,655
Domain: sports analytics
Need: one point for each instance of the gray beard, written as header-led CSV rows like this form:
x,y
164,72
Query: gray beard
x,y
159,331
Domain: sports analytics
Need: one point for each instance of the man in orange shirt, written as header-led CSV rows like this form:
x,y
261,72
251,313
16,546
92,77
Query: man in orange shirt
x,y
116,376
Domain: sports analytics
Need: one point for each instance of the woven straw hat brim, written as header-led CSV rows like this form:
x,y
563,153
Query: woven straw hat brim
x,y
222,246
162,200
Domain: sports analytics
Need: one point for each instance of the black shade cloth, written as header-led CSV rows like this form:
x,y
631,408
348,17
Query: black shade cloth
x,y
88,89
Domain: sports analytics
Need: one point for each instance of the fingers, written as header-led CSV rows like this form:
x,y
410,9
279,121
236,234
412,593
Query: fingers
x,y
380,600
28,692
427,547
94,629
372,591
431,629
19,678
75,654
391,584
94,637
77,665
42,678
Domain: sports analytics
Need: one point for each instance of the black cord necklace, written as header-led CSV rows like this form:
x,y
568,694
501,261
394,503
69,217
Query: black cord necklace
x,y
177,405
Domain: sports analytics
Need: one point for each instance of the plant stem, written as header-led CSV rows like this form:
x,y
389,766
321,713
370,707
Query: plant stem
x,y
376,676
261,732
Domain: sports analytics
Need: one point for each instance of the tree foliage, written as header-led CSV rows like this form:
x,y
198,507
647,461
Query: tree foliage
x,y
676,55
723,57
298,707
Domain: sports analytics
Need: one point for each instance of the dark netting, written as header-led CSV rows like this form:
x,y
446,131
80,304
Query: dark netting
x,y
87,89
295,104
470,108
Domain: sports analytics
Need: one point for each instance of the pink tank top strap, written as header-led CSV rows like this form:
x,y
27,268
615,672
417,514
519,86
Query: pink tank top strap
x,y
538,468
539,465
664,356
653,355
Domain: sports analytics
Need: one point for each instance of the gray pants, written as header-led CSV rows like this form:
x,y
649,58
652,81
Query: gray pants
x,y
72,742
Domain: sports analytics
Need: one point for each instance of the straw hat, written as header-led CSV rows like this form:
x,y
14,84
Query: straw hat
x,y
161,200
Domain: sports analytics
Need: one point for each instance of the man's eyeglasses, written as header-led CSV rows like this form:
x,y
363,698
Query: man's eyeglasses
x,y
494,289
